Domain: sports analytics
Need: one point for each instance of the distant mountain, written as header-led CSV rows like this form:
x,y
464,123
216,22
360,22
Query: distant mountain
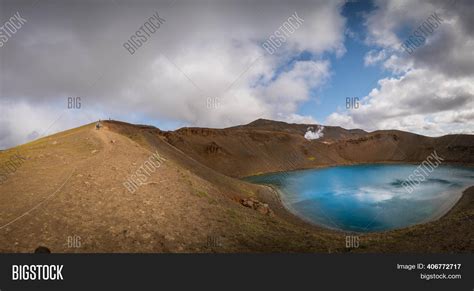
x,y
270,146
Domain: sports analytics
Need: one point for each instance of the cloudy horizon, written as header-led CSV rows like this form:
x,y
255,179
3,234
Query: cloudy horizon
x,y
224,63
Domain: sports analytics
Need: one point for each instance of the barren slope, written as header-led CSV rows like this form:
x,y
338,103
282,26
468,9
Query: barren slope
x,y
71,185
267,146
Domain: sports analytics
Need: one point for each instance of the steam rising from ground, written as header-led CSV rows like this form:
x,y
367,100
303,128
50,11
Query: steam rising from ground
x,y
311,134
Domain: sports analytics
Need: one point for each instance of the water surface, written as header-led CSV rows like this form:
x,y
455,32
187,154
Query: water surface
x,y
368,198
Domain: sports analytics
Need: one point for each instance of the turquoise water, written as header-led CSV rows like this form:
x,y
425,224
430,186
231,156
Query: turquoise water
x,y
367,198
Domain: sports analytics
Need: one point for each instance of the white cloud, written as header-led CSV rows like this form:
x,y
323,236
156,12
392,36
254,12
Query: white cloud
x,y
297,118
373,57
420,101
24,122
200,52
432,91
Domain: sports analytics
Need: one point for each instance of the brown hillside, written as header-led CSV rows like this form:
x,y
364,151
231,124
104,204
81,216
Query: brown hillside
x,y
268,146
71,185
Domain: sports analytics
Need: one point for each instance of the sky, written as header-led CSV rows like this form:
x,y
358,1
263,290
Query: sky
x,y
208,64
